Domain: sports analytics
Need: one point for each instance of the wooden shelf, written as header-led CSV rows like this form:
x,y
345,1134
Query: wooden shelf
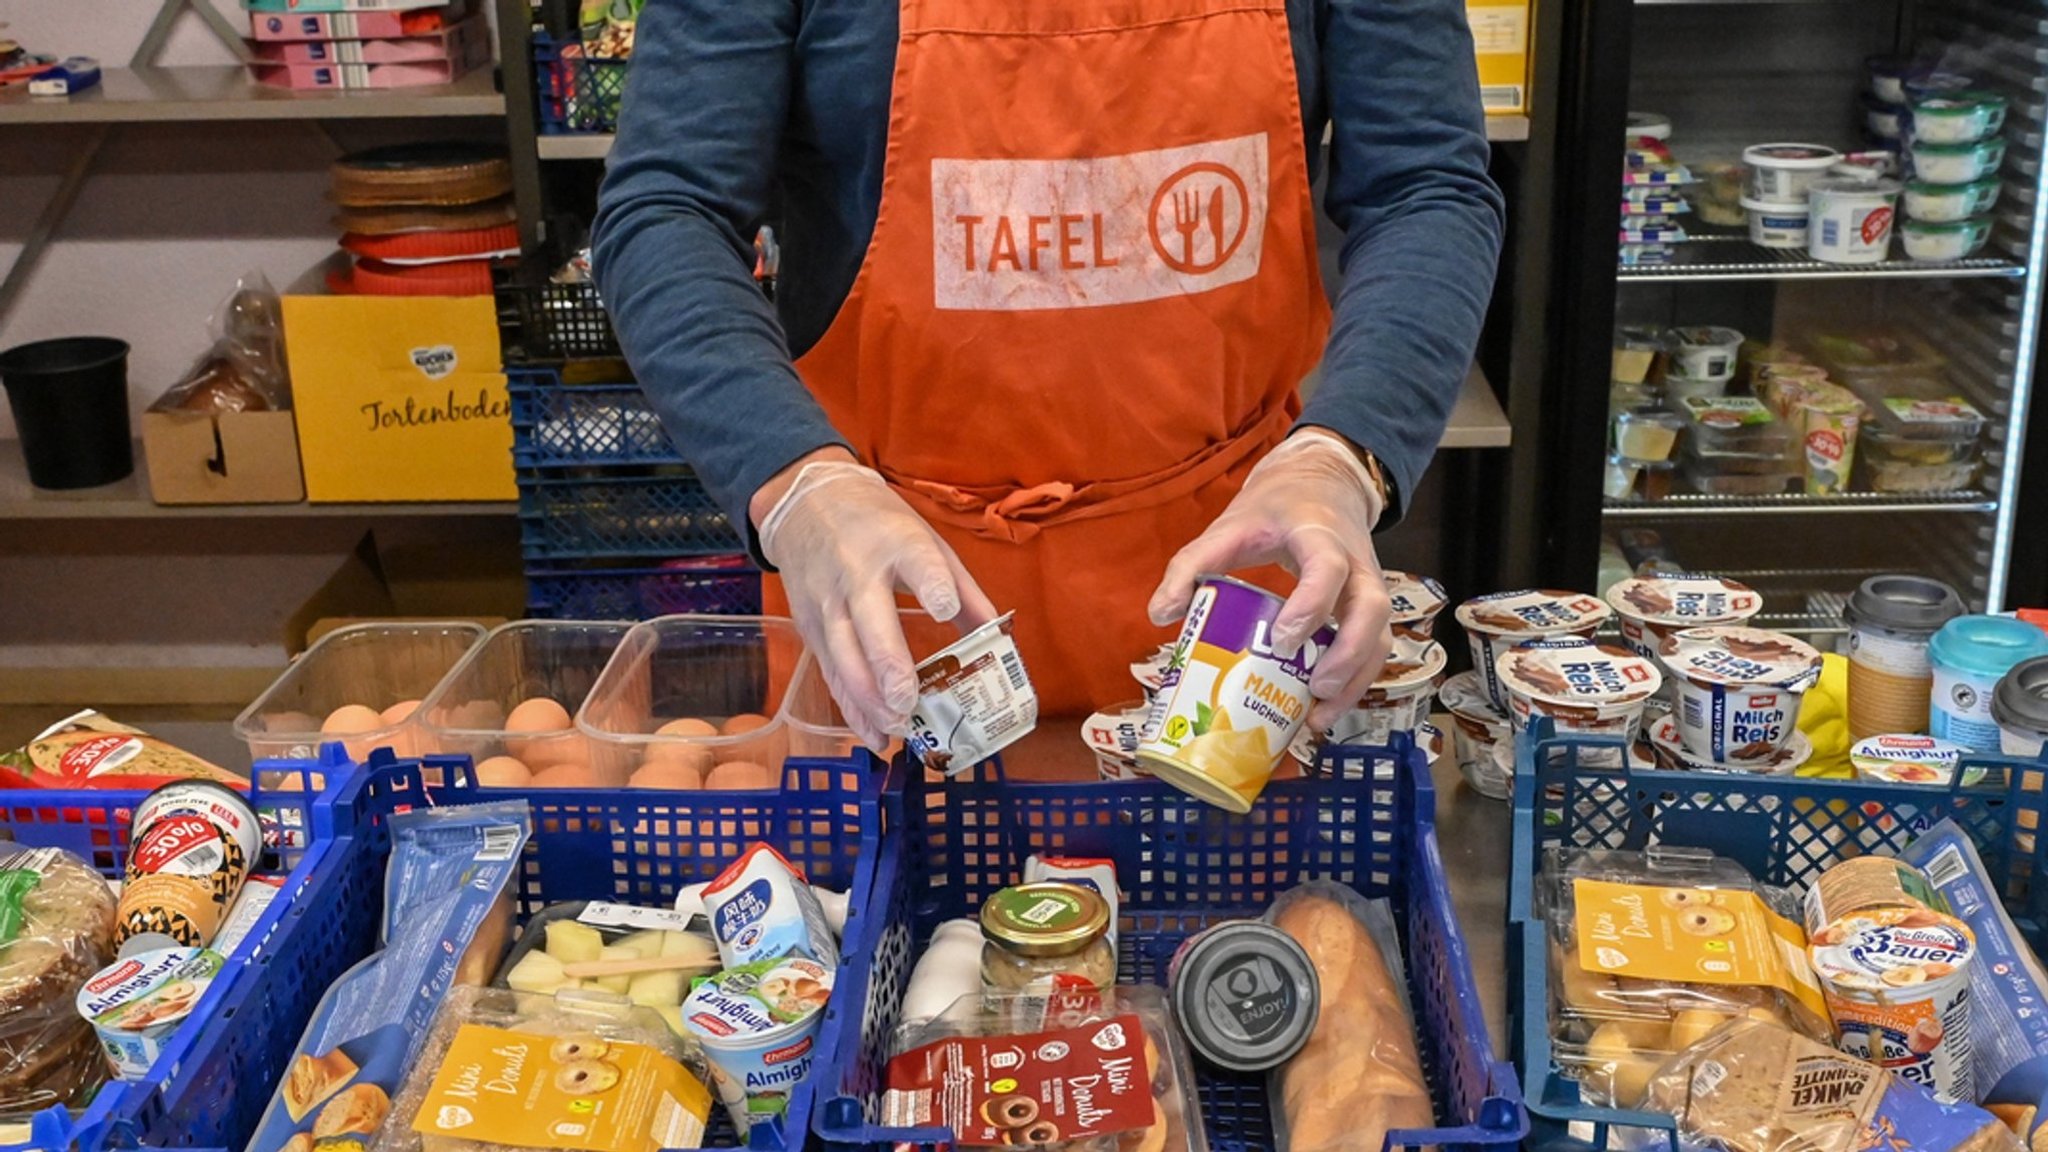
x,y
1477,420
225,92
129,500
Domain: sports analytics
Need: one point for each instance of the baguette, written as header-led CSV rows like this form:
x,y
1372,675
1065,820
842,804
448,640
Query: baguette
x,y
1359,1076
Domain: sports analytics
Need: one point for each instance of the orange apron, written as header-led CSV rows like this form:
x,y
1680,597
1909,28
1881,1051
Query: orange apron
x,y
1088,303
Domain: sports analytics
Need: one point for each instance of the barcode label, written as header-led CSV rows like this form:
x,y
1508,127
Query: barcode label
x,y
1500,96
1947,867
501,842
1015,668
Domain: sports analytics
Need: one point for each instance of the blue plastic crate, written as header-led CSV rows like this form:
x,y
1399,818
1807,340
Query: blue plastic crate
x,y
643,593
1184,865
621,517
581,425
543,322
94,826
1784,830
633,846
576,93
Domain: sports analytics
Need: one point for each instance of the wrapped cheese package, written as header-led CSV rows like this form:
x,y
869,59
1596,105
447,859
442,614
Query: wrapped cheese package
x,y
1359,1077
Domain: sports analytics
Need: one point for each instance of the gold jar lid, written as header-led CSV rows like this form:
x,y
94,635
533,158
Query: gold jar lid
x,y
1048,919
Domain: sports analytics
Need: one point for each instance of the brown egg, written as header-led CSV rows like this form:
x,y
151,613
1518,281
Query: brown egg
x,y
740,775
537,715
675,775
542,752
566,776
503,772
350,720
744,722
687,726
399,712
695,757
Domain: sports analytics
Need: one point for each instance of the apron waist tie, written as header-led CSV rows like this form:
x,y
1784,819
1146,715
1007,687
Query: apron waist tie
x,y
1018,514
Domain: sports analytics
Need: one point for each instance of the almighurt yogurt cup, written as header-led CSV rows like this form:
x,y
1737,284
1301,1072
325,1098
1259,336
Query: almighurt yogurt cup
x,y
1584,688
1399,700
136,1003
1416,602
1495,623
1477,729
1230,705
1112,734
1649,608
1898,983
973,700
1901,758
1738,689
758,1024
1673,756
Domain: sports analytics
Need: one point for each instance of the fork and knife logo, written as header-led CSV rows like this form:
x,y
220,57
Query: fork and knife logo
x,y
1199,217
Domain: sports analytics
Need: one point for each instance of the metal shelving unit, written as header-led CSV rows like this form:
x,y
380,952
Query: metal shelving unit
x,y
1796,504
148,94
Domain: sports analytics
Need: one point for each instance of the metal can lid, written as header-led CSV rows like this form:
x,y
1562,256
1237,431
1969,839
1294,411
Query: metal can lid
x,y
1904,603
1047,919
2021,700
1245,995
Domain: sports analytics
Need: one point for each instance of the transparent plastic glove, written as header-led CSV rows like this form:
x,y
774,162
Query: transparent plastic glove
x,y
845,545
1309,507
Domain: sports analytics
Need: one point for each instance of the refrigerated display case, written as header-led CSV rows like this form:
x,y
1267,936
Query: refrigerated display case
x,y
1902,335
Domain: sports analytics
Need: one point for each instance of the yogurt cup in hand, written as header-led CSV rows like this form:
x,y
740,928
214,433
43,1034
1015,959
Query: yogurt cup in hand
x,y
1738,689
1496,623
1416,601
1584,688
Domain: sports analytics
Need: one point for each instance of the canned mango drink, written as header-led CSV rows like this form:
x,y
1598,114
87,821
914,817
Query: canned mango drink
x,y
1229,705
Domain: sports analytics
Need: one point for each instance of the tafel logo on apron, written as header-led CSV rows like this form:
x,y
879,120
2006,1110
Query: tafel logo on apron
x,y
1019,235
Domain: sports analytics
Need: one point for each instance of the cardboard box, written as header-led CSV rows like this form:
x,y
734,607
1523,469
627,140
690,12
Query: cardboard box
x,y
234,458
1500,40
399,398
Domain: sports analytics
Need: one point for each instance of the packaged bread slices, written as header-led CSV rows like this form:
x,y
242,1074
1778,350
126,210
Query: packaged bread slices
x,y
1651,951
1111,1074
1756,1086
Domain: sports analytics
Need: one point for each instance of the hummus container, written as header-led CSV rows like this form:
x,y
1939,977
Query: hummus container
x,y
1738,690
1956,163
1399,699
1477,729
758,1025
2020,706
1776,225
1898,983
1781,173
1672,754
136,1003
1929,82
1647,436
1948,203
1953,240
1885,122
1704,353
1112,735
1852,220
1888,76
1245,995
1958,117
1651,608
1231,705
1584,688
1969,657
1902,758
974,699
1497,622
1416,601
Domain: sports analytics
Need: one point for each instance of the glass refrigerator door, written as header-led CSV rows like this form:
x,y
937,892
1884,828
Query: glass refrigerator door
x,y
1826,301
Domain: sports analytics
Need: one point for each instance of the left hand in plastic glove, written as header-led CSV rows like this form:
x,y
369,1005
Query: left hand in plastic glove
x,y
1310,507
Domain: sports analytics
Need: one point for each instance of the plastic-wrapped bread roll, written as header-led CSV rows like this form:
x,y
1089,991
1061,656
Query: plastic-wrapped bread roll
x,y
1359,1077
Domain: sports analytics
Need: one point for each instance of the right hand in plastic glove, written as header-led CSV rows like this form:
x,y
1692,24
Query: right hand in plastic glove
x,y
845,544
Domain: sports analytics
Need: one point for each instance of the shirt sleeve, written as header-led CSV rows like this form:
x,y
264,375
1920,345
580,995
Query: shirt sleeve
x,y
686,186
1422,225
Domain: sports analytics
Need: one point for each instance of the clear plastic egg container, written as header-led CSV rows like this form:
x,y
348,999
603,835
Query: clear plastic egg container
x,y
362,685
692,702
510,705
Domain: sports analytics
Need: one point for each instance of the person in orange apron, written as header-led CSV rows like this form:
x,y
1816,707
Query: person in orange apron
x,y
1070,360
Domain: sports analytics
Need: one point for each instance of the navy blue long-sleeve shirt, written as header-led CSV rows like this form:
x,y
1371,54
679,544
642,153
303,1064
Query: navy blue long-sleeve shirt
x,y
731,107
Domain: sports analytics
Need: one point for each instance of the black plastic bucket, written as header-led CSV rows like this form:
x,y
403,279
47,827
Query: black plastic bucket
x,y
70,402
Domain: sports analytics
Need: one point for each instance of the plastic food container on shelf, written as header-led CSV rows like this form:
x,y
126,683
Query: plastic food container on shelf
x,y
1718,200
1782,173
1635,353
1647,435
1957,117
1711,481
1949,240
1678,390
1704,353
1872,359
1852,220
695,693
1886,122
1876,164
510,705
1921,436
1946,203
1629,479
1934,82
379,673
1773,224
1956,163
1734,425
1888,76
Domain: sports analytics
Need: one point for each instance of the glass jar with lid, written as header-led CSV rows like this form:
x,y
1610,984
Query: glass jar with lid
x,y
1046,937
